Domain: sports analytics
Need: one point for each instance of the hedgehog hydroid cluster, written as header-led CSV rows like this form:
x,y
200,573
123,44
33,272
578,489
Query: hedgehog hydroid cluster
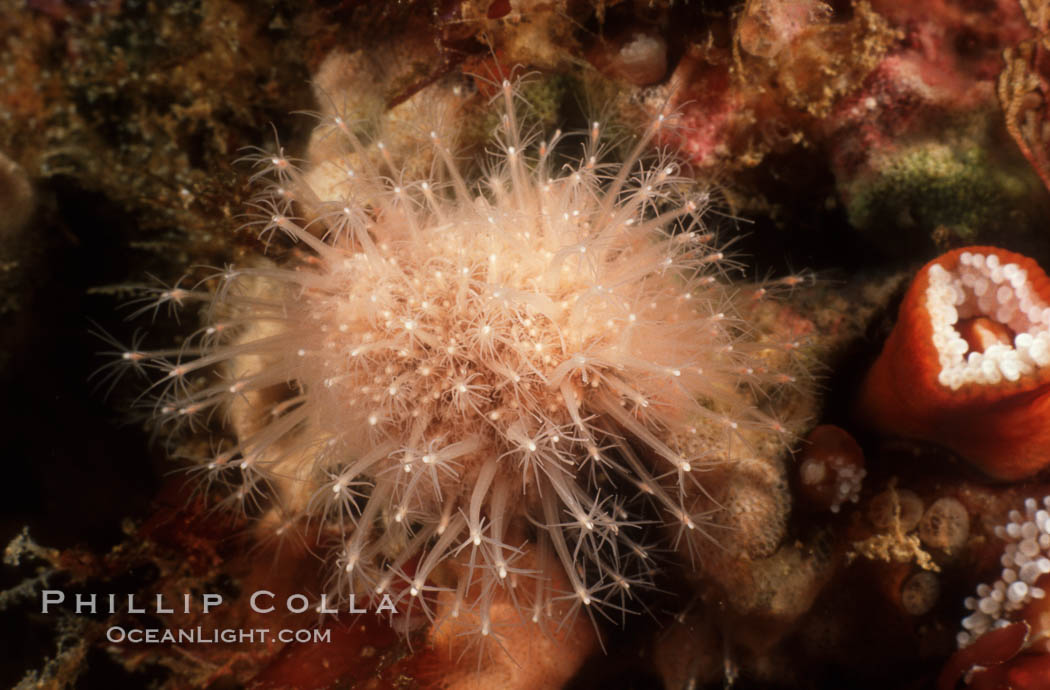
x,y
472,392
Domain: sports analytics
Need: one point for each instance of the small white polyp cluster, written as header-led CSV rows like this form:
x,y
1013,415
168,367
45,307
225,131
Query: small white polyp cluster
x,y
1024,561
981,286
848,479
850,482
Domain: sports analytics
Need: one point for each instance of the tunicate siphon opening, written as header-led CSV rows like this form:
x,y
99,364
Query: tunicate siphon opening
x,y
919,593
883,507
946,525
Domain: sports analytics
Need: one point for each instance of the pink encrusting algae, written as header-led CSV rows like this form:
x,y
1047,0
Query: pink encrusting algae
x,y
478,392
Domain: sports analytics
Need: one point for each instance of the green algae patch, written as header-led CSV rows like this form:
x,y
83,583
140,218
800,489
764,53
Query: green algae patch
x,y
944,192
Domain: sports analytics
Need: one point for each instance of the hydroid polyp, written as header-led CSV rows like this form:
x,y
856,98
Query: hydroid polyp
x,y
472,390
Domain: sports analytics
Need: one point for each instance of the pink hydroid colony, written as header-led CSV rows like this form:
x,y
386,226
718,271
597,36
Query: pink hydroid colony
x,y
475,389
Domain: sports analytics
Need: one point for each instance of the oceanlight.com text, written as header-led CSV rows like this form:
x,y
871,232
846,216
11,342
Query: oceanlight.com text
x,y
117,634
